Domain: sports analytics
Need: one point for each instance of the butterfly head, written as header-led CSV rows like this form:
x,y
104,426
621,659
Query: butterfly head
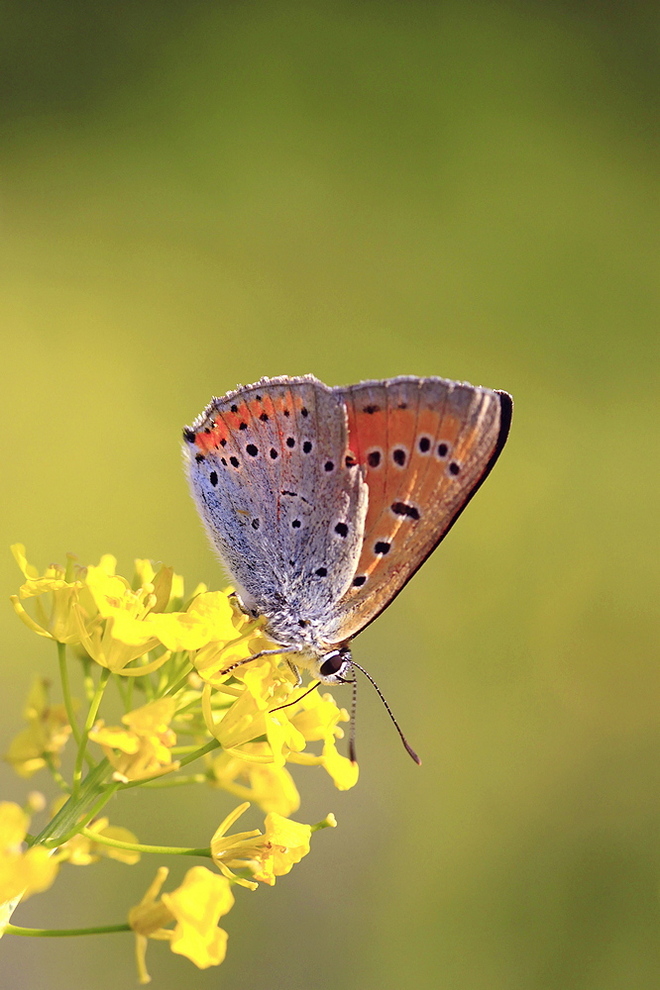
x,y
337,666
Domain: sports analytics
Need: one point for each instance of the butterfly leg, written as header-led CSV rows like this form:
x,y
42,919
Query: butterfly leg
x,y
257,656
295,670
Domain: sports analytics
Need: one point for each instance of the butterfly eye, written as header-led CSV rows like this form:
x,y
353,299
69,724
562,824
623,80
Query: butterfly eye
x,y
332,664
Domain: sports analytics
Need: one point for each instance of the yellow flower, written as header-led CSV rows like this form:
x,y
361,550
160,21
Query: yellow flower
x,y
317,718
118,633
46,735
168,586
131,622
196,907
226,850
267,785
144,746
268,856
284,844
81,850
209,618
21,871
55,619
222,652
266,686
256,713
344,773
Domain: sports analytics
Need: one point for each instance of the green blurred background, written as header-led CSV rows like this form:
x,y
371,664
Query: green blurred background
x,y
197,194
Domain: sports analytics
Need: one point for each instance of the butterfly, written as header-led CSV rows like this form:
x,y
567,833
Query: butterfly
x,y
323,502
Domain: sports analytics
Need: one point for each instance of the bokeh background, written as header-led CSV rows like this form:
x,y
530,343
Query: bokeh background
x,y
198,194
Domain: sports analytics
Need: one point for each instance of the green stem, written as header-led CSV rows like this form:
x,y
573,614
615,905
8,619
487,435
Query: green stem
x,y
89,722
55,773
202,751
69,814
103,840
122,688
88,680
66,691
86,819
146,682
63,932
182,682
192,778
208,748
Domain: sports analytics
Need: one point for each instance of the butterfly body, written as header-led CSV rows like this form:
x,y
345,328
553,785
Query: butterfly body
x,y
322,502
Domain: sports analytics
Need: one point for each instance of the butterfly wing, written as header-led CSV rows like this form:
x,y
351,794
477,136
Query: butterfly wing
x,y
268,472
425,446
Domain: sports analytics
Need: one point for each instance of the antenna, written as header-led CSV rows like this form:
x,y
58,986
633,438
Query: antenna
x,y
351,731
411,752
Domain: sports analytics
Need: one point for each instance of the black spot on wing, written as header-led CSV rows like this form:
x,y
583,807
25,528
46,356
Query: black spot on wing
x,y
404,509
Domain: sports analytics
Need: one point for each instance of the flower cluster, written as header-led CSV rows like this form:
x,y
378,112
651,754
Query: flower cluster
x,y
167,658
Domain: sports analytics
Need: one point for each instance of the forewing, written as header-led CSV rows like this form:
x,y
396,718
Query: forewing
x,y
283,507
